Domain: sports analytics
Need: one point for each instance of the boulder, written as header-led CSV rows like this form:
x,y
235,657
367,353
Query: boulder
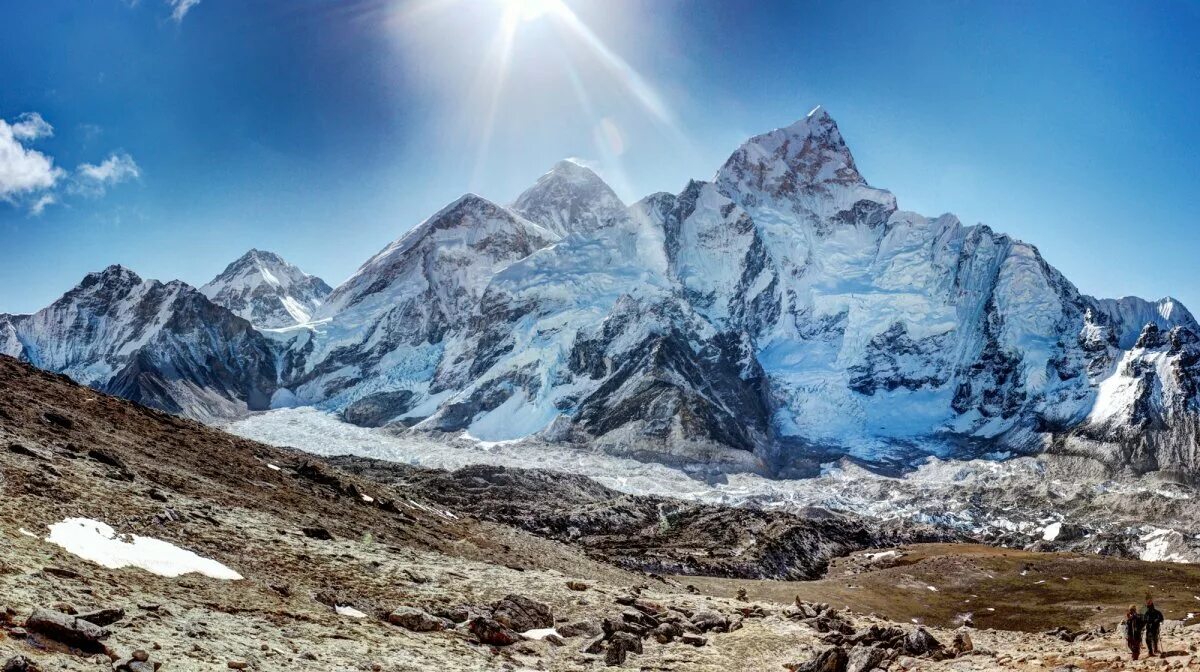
x,y
318,533
620,645
103,617
962,642
20,664
920,643
580,629
67,629
710,620
417,620
829,660
489,631
520,613
666,632
864,658
693,640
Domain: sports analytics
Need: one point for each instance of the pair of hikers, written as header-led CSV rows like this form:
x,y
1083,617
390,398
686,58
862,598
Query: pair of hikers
x,y
1148,622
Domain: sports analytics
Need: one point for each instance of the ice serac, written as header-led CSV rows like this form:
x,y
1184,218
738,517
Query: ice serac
x,y
571,198
162,345
266,290
382,334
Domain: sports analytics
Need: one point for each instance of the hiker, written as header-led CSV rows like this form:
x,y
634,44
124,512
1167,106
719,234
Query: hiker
x,y
1133,631
1152,619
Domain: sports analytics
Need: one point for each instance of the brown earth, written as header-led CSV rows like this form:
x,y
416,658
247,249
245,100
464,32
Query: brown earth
x,y
67,451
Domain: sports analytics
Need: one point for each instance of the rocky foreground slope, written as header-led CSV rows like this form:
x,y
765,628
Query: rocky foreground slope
x,y
344,572
779,315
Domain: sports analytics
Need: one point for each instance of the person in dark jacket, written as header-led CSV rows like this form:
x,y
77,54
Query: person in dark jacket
x,y
1152,620
1133,631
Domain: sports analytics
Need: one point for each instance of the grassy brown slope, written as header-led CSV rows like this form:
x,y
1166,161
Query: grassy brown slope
x,y
971,578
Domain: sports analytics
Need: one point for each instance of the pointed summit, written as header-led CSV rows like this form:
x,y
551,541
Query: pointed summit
x,y
571,198
265,289
806,165
450,249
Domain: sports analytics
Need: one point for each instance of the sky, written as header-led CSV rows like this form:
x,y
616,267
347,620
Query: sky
x,y
171,136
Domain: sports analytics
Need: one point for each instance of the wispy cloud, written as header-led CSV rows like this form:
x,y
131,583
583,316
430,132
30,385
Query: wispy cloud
x,y
39,206
31,126
95,179
180,8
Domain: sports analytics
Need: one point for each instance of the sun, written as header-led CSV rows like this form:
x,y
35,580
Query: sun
x,y
531,10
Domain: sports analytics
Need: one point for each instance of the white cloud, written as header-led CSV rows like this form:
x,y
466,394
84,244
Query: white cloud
x,y
180,8
29,178
22,170
94,179
31,126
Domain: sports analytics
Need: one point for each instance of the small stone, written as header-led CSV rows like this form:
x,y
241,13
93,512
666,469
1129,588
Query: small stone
x,y
140,655
693,640
237,665
318,533
577,585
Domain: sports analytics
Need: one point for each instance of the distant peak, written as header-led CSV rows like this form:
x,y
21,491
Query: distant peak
x,y
112,275
819,113
255,254
116,271
571,166
571,198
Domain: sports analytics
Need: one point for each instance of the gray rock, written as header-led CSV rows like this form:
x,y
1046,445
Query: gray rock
x,y
20,664
710,620
103,617
580,629
520,613
67,629
864,658
489,631
417,620
829,660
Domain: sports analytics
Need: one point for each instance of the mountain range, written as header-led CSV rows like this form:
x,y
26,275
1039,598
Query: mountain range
x,y
778,315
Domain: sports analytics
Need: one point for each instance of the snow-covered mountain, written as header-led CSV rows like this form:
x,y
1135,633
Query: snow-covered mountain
x,y
781,314
162,345
268,291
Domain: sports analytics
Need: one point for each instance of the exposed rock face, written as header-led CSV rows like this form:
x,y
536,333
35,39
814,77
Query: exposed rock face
x,y
266,290
162,345
647,533
778,316
392,325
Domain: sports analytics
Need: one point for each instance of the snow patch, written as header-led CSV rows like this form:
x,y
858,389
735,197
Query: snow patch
x,y
96,542
349,611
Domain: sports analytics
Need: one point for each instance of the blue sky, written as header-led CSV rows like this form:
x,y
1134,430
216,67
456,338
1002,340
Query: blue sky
x,y
184,132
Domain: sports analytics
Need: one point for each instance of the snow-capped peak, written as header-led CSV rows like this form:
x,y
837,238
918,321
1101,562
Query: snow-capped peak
x,y
266,290
805,166
571,198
